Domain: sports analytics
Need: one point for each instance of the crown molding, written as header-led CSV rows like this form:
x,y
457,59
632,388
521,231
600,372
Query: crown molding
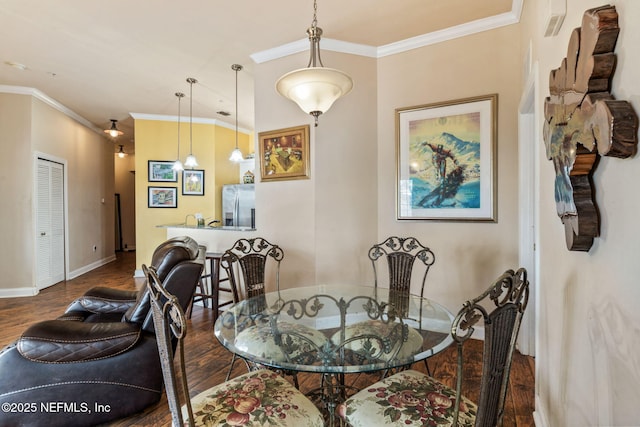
x,y
200,120
23,90
302,45
451,33
474,27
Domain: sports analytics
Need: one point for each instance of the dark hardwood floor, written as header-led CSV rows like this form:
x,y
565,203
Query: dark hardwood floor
x,y
207,361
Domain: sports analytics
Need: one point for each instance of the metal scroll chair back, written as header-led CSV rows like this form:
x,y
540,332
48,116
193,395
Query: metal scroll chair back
x,y
171,328
338,345
401,254
246,264
509,296
500,308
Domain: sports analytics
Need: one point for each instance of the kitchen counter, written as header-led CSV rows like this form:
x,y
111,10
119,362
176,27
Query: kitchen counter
x,y
196,227
215,239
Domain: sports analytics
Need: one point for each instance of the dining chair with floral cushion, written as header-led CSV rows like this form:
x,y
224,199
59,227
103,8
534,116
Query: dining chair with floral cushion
x,y
249,264
413,398
401,254
257,398
408,262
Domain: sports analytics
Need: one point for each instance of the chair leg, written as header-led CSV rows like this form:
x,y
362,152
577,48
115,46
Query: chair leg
x,y
233,361
190,309
426,364
295,380
200,294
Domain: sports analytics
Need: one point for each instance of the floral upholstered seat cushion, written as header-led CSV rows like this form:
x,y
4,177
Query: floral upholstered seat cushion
x,y
297,338
258,398
377,328
405,399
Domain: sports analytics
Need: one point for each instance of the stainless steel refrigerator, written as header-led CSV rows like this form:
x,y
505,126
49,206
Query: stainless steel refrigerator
x,y
238,205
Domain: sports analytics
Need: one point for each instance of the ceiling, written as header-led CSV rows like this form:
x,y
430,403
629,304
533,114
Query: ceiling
x,y
104,60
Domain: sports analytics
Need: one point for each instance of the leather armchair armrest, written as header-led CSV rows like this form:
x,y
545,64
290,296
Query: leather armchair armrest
x,y
59,341
104,300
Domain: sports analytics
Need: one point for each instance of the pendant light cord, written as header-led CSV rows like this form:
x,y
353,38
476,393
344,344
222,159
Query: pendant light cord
x,y
237,68
314,22
180,95
191,82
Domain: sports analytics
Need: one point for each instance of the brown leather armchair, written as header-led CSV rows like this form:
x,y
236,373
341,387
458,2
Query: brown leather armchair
x,y
99,360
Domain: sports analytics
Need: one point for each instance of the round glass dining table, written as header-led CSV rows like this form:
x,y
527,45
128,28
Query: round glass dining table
x,y
335,329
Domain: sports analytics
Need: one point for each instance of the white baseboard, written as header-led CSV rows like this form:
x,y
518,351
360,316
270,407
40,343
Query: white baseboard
x,y
26,291
87,268
29,291
138,274
539,417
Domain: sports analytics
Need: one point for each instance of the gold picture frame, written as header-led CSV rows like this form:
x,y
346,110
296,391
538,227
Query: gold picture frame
x,y
446,160
284,153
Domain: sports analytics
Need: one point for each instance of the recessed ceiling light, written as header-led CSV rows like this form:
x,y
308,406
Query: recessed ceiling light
x,y
17,65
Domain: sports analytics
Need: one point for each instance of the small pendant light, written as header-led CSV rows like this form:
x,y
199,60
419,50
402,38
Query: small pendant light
x,y
236,155
177,165
191,161
314,88
113,131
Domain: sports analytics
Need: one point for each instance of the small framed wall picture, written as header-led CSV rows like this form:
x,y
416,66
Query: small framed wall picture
x,y
284,153
193,182
163,197
162,171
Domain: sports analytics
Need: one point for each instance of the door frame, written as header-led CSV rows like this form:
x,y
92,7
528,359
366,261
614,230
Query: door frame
x,y
37,155
529,197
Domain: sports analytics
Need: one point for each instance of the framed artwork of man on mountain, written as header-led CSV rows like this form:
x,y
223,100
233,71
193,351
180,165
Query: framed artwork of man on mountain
x,y
446,160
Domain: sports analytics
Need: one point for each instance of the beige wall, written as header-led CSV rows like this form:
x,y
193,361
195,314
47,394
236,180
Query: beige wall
x,y
588,357
30,127
468,254
90,172
16,227
326,223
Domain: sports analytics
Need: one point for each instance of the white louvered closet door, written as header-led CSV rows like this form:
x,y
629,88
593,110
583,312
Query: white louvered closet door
x,y
50,223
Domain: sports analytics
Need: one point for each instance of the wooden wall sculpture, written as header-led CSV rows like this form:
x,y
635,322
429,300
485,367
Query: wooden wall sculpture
x,y
584,122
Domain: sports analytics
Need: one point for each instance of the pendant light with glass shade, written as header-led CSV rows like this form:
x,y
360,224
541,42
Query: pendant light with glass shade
x,y
113,131
191,161
177,165
314,88
236,155
121,152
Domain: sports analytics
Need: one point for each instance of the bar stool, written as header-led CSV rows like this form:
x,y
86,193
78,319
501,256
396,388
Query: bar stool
x,y
213,278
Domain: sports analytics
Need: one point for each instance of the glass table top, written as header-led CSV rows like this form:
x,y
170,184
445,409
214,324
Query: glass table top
x,y
335,329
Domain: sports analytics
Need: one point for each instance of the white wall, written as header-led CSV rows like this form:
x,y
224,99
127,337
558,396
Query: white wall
x,y
588,359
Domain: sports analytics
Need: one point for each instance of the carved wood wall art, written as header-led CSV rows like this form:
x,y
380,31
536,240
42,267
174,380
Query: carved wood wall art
x,y
583,121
